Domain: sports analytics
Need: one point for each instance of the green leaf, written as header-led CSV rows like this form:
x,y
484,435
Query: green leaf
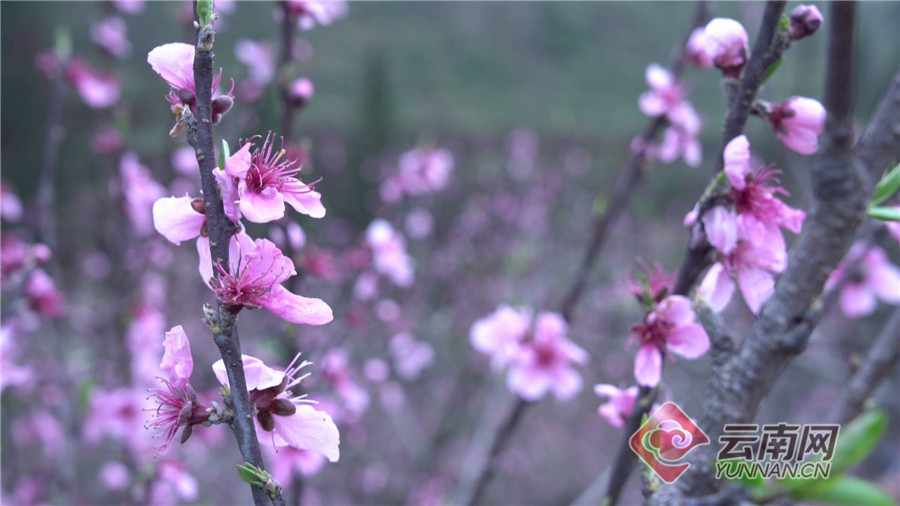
x,y
224,154
857,439
843,490
63,44
204,11
884,213
84,395
253,475
888,186
772,69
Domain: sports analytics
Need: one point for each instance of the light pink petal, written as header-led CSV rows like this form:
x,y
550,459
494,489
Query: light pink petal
x,y
721,227
229,195
611,413
550,326
885,280
176,220
658,77
717,288
174,63
566,384
605,389
737,161
689,341
258,375
693,152
238,163
800,140
651,104
295,308
676,309
177,360
528,383
309,429
691,217
262,207
756,286
857,300
306,202
648,365
205,257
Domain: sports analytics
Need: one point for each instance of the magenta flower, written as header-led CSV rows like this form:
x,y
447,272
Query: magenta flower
x,y
805,20
654,282
695,50
875,278
680,139
111,34
177,404
42,294
264,181
389,252
141,191
621,403
726,44
499,334
798,122
96,90
290,420
254,280
544,363
671,327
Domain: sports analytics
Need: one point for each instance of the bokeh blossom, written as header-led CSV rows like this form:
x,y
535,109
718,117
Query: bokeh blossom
x,y
620,404
865,282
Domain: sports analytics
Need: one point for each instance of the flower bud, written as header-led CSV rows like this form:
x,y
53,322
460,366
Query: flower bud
x,y
726,44
798,123
805,20
283,407
695,51
199,205
301,91
266,421
220,106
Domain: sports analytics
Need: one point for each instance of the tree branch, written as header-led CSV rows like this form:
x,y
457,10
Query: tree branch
x,y
221,321
53,137
288,28
882,357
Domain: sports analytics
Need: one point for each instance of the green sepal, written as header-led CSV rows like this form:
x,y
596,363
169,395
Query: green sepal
x,y
888,186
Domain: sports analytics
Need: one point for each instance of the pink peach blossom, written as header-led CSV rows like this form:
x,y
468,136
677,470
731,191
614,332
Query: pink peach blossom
x,y
671,327
798,122
335,368
695,50
544,363
726,44
174,62
805,20
621,402
312,12
111,34
499,334
665,94
410,356
389,256
10,204
42,294
875,278
254,280
140,192
262,181
284,419
259,57
96,90
301,90
177,360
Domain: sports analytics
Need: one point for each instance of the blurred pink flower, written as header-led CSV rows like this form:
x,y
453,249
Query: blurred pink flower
x,y
141,191
254,280
874,278
117,414
500,333
259,57
107,140
544,363
284,462
425,170
129,6
419,223
301,91
114,476
265,181
798,122
389,255
696,49
620,405
805,20
410,356
43,296
177,360
10,204
670,327
726,44
40,427
96,90
665,95
290,420
184,161
111,34
680,139
335,370
312,12
15,372
174,481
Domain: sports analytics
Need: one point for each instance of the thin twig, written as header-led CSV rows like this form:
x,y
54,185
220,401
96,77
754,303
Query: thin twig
x,y
503,434
881,359
221,321
53,137
285,58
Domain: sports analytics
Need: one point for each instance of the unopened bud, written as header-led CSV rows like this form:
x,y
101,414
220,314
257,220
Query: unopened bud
x,y
266,421
283,407
199,205
221,105
186,434
805,20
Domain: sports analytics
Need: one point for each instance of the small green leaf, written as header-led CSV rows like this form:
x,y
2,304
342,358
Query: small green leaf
x,y
772,69
224,154
84,395
252,474
857,439
204,11
63,45
884,213
843,490
888,186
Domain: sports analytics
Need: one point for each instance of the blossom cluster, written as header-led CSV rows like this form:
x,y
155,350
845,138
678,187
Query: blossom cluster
x,y
539,356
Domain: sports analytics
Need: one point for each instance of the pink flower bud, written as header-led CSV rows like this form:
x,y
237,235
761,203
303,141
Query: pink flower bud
x,y
726,44
301,91
695,50
798,123
805,20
